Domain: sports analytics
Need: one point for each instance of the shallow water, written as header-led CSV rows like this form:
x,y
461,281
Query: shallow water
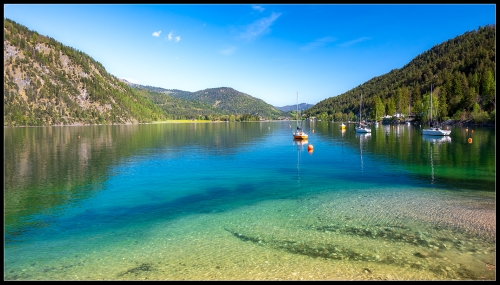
x,y
243,201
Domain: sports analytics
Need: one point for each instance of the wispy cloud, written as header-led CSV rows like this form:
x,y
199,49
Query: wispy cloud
x,y
171,37
228,51
156,34
318,43
258,8
350,43
259,27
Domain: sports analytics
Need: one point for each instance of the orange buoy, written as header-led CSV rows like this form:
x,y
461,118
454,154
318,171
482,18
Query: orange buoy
x,y
472,131
310,147
470,140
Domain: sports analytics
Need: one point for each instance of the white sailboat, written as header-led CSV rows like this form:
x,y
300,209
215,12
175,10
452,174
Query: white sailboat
x,y
360,127
299,134
435,130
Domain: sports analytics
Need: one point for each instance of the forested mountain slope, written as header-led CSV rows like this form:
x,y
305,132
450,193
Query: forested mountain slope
x,y
222,101
462,74
47,83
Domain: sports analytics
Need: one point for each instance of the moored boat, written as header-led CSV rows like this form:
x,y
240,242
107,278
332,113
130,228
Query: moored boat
x,y
299,134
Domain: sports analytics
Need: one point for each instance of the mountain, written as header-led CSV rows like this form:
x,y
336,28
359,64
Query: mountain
x,y
222,100
462,74
289,108
229,100
47,83
177,108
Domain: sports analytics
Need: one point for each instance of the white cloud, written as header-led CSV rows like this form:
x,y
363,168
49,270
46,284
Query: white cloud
x,y
349,43
171,37
259,27
318,43
258,8
156,34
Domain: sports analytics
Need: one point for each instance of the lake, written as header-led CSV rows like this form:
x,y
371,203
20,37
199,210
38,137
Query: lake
x,y
244,201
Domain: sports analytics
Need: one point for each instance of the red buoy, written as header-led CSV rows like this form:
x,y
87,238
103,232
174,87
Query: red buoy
x,y
310,148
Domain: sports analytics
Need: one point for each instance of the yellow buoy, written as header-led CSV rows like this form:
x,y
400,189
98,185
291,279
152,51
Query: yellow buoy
x,y
470,140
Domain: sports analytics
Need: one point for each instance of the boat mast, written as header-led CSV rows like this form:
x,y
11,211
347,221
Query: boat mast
x,y
360,102
430,123
297,113
297,108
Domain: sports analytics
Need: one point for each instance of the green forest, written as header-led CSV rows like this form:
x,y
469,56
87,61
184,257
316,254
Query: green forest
x,y
460,72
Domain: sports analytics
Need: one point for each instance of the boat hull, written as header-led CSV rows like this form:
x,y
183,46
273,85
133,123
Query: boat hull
x,y
363,130
300,136
436,132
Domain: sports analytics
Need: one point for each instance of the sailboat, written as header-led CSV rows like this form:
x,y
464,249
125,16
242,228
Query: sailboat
x,y
434,130
299,134
360,127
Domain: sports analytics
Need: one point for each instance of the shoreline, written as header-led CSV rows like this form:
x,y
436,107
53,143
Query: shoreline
x,y
448,123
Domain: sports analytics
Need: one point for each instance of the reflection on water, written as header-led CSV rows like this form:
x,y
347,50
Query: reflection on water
x,y
220,201
300,143
362,137
437,139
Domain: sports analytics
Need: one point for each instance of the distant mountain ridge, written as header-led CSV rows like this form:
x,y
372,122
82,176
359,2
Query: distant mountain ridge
x,y
199,96
225,99
289,108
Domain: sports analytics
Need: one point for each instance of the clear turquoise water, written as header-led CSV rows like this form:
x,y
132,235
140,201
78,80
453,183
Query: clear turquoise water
x,y
243,201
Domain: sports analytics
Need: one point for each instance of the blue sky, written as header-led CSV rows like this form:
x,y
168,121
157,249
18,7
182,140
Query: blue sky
x,y
270,52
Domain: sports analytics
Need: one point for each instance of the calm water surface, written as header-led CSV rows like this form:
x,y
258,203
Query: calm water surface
x,y
243,201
